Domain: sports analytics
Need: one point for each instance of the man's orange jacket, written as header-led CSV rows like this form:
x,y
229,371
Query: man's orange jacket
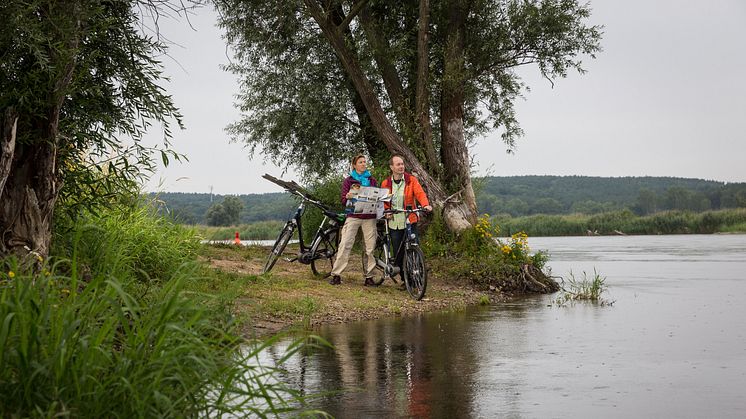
x,y
413,193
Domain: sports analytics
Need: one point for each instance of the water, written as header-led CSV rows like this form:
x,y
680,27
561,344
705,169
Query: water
x,y
672,345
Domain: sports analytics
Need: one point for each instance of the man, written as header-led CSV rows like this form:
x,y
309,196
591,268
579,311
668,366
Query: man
x,y
405,191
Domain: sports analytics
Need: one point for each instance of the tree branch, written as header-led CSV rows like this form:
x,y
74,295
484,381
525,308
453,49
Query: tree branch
x,y
356,8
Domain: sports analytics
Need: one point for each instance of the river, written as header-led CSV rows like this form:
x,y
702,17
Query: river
x,y
673,344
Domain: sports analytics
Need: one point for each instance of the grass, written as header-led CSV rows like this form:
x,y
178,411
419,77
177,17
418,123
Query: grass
x,y
124,322
260,230
585,289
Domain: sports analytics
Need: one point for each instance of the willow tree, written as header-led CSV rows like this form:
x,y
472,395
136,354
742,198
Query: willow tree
x,y
78,88
321,79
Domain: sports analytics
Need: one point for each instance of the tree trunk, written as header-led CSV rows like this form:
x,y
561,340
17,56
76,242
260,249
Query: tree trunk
x,y
453,150
28,196
457,215
422,96
7,144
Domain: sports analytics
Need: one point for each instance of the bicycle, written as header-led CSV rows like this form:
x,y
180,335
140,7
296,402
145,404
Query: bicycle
x,y
415,273
320,254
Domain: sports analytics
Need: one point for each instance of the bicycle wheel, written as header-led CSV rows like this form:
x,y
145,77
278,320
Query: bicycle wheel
x,y
415,274
279,246
380,255
323,249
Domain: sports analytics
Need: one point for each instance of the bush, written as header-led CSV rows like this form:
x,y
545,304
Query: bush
x,y
478,256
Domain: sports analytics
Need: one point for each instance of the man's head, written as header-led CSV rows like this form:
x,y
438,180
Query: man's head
x,y
396,163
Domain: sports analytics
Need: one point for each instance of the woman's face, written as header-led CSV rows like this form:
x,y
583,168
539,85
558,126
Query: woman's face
x,y
360,165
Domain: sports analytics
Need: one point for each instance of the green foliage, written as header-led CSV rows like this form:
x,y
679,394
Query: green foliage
x,y
225,213
669,222
515,196
126,242
329,191
82,336
476,254
525,195
94,59
299,105
191,208
260,230
585,289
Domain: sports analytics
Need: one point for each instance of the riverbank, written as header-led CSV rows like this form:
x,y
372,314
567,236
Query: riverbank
x,y
626,223
290,296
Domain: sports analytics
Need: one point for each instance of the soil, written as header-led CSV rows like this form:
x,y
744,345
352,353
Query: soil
x,y
273,302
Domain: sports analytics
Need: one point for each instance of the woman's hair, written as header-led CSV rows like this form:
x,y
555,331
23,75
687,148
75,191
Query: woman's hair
x,y
356,158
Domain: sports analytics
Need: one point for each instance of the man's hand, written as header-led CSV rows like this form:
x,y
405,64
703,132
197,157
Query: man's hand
x,y
428,208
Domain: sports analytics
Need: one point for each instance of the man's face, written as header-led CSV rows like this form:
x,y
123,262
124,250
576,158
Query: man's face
x,y
397,165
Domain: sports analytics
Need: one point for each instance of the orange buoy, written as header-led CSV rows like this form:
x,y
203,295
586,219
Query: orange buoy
x,y
237,240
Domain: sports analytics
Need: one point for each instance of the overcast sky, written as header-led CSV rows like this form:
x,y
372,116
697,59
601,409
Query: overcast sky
x,y
666,97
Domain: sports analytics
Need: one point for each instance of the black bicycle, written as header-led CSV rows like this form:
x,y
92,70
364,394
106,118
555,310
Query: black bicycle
x,y
415,274
320,254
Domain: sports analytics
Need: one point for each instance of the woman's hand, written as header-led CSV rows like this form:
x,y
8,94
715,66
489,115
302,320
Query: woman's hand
x,y
349,195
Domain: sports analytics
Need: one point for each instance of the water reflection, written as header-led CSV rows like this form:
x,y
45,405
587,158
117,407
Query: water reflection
x,y
673,344
399,368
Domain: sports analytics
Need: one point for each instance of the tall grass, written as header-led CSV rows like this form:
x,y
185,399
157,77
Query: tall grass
x,y
260,230
669,222
584,289
107,329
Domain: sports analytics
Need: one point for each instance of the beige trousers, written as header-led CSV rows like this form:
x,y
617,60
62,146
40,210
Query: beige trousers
x,y
347,239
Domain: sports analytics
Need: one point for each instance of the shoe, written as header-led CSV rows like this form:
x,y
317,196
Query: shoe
x,y
369,282
335,280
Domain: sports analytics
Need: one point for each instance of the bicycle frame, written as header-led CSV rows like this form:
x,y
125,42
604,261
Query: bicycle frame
x,y
410,240
324,243
304,252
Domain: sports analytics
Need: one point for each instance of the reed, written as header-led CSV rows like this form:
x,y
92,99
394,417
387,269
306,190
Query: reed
x,y
260,230
107,328
625,222
588,288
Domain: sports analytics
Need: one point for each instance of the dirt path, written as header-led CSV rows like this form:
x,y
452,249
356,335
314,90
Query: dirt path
x,y
292,296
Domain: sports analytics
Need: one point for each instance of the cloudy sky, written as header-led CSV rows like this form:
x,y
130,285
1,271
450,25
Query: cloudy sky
x,y
666,97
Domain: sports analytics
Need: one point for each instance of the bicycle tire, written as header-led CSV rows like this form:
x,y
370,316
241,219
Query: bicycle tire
x,y
279,246
378,254
415,274
323,249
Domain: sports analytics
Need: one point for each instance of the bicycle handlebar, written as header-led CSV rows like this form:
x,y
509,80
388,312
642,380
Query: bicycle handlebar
x,y
297,190
404,211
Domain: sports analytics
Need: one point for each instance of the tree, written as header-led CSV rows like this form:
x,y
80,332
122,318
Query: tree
x,y
225,213
76,77
322,79
547,206
647,201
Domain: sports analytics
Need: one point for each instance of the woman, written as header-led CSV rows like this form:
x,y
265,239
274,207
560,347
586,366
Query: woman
x,y
359,175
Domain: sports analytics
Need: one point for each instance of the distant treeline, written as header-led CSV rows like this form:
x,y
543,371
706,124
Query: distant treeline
x,y
515,196
529,195
625,222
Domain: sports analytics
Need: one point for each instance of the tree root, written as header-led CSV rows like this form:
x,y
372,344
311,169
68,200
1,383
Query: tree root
x,y
528,280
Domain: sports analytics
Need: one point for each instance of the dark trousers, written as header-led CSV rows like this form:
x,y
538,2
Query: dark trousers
x,y
397,246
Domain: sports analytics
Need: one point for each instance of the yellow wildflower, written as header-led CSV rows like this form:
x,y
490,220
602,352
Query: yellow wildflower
x,y
11,274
